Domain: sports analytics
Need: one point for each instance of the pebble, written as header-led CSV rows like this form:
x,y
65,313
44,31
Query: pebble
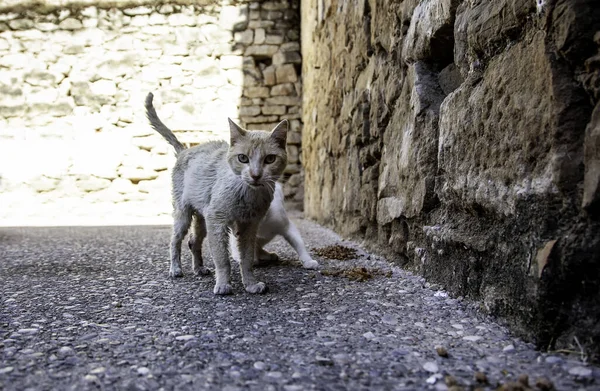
x,y
143,371
472,338
28,331
441,351
98,370
259,365
509,348
6,370
554,360
581,372
185,337
431,366
90,378
323,360
275,375
369,335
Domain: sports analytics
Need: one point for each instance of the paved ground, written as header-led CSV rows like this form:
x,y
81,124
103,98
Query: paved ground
x,y
94,308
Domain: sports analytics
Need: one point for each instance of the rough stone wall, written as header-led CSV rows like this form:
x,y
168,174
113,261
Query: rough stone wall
x,y
461,139
74,141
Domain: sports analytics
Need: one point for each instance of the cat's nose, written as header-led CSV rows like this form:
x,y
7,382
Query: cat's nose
x,y
256,177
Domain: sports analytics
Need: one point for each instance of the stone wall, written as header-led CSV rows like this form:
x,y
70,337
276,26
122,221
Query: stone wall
x,y
75,146
461,138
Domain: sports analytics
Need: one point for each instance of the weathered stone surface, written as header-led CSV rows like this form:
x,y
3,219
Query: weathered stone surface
x,y
591,183
431,31
450,136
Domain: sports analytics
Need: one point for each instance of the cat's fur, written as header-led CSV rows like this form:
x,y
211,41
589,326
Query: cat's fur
x,y
276,222
220,193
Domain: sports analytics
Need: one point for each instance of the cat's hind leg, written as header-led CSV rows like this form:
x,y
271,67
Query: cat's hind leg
x,y
181,224
195,244
262,255
293,237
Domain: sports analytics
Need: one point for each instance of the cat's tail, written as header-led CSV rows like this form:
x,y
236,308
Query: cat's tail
x,y
161,128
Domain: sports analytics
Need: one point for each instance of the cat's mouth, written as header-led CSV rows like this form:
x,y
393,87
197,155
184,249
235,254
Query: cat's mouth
x,y
254,184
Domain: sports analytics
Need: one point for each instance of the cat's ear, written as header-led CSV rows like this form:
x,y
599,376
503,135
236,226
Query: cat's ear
x,y
236,133
279,133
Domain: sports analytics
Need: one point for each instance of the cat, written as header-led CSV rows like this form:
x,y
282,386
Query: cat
x,y
219,188
276,222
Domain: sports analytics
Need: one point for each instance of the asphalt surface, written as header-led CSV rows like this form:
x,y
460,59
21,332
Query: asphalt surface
x,y
94,308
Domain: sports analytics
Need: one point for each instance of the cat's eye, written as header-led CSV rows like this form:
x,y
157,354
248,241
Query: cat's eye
x,y
270,159
243,158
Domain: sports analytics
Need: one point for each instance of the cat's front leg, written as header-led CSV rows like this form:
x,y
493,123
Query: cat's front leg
x,y
247,250
218,239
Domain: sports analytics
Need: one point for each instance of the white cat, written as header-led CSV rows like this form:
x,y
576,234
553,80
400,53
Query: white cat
x,y
219,188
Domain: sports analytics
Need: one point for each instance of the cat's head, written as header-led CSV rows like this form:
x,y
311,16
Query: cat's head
x,y
258,157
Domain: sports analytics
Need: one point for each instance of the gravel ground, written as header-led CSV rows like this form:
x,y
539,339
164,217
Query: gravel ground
x,y
94,308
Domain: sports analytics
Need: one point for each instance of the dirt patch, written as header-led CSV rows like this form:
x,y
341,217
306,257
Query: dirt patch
x,y
360,274
338,252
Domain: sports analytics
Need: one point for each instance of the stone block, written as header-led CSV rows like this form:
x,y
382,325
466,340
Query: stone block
x,y
286,89
90,183
256,92
70,24
272,39
282,57
269,75
283,100
259,36
286,74
261,50
245,37
249,111
260,119
273,110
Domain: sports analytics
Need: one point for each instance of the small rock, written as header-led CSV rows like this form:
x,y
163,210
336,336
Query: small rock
x,y
581,372
143,371
6,370
509,348
472,338
441,351
323,361
431,379
98,370
275,375
65,351
369,335
480,377
28,331
554,360
185,337
259,365
431,366
90,378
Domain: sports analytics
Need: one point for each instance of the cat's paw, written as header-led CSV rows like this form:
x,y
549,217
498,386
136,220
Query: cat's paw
x,y
223,289
265,256
310,264
175,272
259,287
202,271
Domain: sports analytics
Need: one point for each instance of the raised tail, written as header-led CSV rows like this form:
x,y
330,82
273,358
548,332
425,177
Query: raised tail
x,y
161,128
